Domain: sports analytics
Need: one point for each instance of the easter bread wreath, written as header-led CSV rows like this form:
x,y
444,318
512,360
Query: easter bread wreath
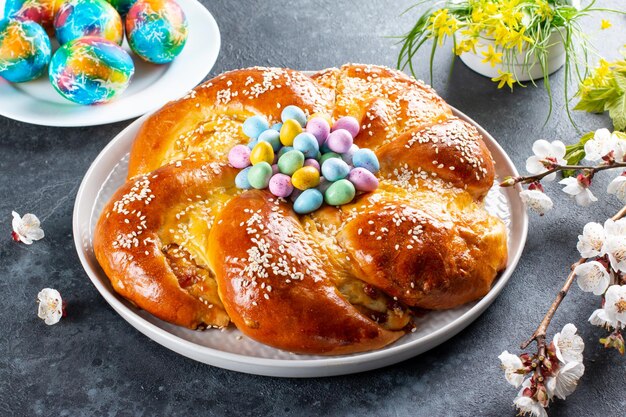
x,y
206,233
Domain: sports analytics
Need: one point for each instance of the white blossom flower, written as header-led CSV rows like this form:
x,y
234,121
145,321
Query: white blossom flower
x,y
527,405
615,305
581,193
591,241
614,228
510,365
50,306
27,228
600,145
592,277
569,346
536,200
565,381
544,150
615,247
617,187
600,318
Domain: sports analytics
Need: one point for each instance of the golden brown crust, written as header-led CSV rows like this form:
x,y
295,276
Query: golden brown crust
x,y
340,280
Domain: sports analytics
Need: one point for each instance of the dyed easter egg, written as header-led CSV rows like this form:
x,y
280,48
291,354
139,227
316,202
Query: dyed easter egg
x,y
307,144
363,180
288,131
239,156
272,137
259,175
308,201
280,185
339,141
334,169
255,125
339,193
38,11
122,6
348,123
262,152
312,163
241,180
24,50
347,156
290,162
284,150
367,159
293,113
305,178
78,18
327,156
90,70
318,127
157,30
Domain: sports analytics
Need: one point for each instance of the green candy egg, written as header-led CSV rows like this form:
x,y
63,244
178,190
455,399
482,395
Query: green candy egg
x,y
259,175
328,155
290,162
339,193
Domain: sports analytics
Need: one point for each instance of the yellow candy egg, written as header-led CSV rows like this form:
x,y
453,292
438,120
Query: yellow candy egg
x,y
262,152
291,128
324,116
305,178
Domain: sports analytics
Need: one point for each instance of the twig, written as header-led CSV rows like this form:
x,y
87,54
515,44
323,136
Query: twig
x,y
510,181
540,334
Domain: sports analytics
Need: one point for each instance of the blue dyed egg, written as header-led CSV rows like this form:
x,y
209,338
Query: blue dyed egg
x,y
241,180
308,201
24,50
272,137
367,159
78,18
295,113
334,169
255,125
307,144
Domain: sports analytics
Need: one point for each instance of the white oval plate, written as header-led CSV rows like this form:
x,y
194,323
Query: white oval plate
x,y
229,348
37,102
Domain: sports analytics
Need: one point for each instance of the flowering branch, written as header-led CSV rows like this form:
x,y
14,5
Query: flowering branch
x,y
589,171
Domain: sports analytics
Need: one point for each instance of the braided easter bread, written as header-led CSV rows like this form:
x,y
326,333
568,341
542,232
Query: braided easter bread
x,y
182,242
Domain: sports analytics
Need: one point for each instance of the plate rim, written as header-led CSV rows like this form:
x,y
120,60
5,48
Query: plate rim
x,y
304,368
33,118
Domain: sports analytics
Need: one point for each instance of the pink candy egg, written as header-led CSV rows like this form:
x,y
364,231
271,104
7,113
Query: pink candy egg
x,y
312,163
363,180
239,156
319,128
274,168
280,185
348,123
339,141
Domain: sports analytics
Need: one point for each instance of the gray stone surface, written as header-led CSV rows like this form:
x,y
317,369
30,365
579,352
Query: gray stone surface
x,y
93,363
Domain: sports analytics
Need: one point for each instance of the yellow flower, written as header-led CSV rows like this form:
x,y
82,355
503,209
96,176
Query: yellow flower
x,y
492,57
501,35
442,24
517,39
466,45
605,24
504,78
544,10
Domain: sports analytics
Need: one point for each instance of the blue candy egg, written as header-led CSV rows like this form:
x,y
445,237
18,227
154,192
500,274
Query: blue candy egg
x,y
307,144
366,158
293,112
24,50
334,169
254,126
241,180
272,137
284,150
277,126
308,201
347,156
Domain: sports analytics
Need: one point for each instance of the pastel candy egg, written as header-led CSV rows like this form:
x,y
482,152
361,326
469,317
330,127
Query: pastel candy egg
x,y
290,162
363,180
307,144
305,178
241,180
38,11
90,70
284,150
239,156
78,18
367,159
156,30
277,126
252,143
318,127
335,169
327,156
308,201
339,193
339,141
324,116
312,163
293,113
347,156
255,125
262,152
348,123
259,175
288,132
272,137
122,6
280,185
24,50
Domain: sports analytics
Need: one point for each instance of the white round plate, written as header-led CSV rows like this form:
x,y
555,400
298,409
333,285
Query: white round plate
x,y
229,348
37,102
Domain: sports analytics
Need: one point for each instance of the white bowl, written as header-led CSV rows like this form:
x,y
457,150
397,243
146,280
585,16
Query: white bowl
x,y
229,348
